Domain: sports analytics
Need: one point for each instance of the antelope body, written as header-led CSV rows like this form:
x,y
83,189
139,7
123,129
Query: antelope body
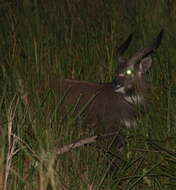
x,y
108,106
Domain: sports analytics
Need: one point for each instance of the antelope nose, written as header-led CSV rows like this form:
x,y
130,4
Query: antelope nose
x,y
117,86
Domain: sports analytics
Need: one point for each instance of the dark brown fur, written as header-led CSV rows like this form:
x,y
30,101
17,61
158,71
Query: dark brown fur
x,y
98,105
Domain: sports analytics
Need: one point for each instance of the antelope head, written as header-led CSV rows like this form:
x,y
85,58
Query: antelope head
x,y
129,81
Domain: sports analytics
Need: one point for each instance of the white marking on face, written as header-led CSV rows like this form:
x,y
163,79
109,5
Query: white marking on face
x,y
120,90
121,75
118,86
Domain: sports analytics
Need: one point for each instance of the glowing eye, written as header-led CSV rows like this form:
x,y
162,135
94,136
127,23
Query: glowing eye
x,y
129,72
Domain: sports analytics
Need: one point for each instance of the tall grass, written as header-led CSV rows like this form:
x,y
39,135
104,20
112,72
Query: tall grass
x,y
78,39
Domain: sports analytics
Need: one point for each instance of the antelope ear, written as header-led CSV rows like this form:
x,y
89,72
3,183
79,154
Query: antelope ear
x,y
145,64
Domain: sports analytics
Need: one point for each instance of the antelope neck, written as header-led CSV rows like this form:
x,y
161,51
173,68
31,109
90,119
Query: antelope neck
x,y
132,98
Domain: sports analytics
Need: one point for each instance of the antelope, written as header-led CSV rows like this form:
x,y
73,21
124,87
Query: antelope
x,y
108,106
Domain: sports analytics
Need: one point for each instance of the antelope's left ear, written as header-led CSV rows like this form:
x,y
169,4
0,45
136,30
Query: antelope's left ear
x,y
145,64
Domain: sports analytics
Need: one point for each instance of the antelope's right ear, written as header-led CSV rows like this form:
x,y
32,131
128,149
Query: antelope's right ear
x,y
145,64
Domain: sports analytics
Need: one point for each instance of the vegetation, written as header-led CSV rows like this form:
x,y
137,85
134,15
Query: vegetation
x,y
78,39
